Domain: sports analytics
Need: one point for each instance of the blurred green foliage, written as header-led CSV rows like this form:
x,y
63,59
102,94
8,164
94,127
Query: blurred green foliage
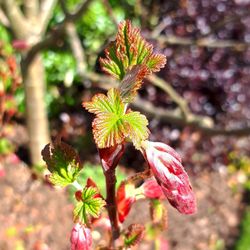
x,y
5,146
241,165
243,242
5,38
95,28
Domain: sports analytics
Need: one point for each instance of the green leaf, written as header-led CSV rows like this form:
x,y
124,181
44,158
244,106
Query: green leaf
x,y
101,103
63,163
114,62
91,205
134,235
138,131
130,49
112,125
109,130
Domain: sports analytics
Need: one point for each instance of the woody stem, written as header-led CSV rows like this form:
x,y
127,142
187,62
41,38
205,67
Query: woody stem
x,y
110,178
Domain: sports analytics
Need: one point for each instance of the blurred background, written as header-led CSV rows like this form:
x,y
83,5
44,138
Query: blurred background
x,y
199,104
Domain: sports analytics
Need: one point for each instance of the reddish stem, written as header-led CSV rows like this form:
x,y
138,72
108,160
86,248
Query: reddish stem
x,y
109,159
111,203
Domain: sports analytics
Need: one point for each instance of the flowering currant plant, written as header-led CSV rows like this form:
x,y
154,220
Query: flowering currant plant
x,y
129,59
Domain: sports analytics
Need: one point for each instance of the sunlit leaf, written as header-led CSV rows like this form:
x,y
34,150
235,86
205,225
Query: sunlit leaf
x,y
112,125
63,163
110,103
90,205
134,235
138,131
130,49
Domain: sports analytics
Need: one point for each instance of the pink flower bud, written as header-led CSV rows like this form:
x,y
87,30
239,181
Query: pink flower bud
x,y
125,200
170,175
151,189
81,238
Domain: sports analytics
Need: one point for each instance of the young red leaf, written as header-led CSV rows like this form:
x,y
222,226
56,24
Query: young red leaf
x,y
130,49
132,82
134,235
151,189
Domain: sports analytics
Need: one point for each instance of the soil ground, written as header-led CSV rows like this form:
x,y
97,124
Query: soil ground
x,y
35,216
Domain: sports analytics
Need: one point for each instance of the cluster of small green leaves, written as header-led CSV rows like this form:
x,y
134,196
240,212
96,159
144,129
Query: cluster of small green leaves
x,y
129,59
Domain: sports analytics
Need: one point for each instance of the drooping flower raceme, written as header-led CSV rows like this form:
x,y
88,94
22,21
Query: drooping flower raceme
x,y
168,170
81,238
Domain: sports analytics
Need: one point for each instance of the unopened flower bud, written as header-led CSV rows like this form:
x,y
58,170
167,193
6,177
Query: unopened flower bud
x,y
151,189
81,238
170,175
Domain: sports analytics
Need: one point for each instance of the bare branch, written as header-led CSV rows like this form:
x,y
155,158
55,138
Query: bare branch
x,y
64,7
77,49
159,28
203,42
31,8
205,124
167,88
49,41
47,8
3,19
16,18
57,33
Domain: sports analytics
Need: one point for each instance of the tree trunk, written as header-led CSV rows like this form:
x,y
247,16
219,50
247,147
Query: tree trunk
x,y
36,116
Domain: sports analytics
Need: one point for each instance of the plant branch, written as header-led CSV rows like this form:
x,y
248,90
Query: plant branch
x,y
47,7
75,44
166,87
3,19
110,12
202,123
31,8
79,10
111,203
202,42
16,18
77,49
57,33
